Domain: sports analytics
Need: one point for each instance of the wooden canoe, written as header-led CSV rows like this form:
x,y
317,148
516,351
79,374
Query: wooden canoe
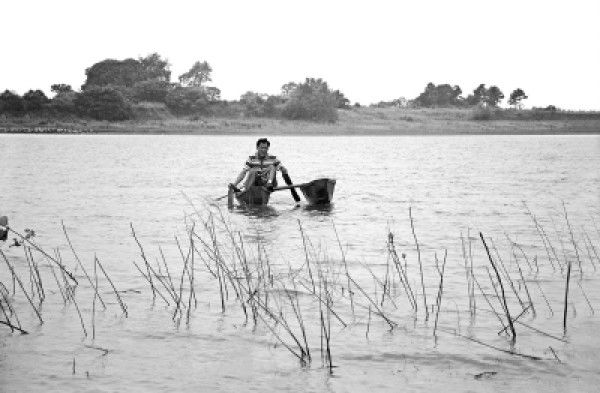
x,y
255,195
318,192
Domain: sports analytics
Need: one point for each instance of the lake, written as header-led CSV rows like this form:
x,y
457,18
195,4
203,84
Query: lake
x,y
535,199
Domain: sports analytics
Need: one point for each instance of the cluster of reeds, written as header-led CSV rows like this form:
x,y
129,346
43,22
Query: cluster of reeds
x,y
305,303
61,280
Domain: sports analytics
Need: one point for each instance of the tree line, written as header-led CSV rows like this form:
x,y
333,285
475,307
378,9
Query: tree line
x,y
446,95
113,88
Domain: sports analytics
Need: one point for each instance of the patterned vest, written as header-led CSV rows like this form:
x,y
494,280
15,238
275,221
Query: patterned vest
x,y
262,167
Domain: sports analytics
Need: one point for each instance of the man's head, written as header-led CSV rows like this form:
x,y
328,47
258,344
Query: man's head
x,y
262,147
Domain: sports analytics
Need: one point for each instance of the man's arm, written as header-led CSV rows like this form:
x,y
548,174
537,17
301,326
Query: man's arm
x,y
240,177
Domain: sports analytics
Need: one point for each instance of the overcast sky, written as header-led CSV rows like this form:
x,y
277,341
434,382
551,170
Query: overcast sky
x,y
371,50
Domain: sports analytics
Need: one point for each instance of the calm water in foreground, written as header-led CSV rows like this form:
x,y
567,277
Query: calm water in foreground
x,y
455,186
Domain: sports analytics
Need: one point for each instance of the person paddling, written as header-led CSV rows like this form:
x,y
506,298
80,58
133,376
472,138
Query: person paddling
x,y
260,169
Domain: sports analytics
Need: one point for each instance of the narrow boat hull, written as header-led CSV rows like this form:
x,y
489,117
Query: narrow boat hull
x,y
319,192
254,195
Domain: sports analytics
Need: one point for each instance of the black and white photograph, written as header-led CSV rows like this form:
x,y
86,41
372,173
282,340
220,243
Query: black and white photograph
x,y
299,196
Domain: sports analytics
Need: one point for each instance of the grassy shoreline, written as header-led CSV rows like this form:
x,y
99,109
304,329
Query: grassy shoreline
x,y
361,121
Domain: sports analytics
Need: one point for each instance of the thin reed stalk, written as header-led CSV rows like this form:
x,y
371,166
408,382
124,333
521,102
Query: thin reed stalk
x,y
412,226
12,270
148,267
350,292
440,293
81,265
40,250
568,279
119,299
506,310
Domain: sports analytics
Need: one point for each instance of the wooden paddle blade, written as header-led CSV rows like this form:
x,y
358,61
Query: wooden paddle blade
x,y
3,229
230,194
288,181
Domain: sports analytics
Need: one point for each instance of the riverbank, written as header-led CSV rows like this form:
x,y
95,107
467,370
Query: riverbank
x,y
357,121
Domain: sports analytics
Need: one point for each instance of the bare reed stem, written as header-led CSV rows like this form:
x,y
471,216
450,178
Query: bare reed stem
x,y
12,270
412,226
512,328
121,303
440,292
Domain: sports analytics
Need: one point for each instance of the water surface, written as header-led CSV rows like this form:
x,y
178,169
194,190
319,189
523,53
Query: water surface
x,y
457,185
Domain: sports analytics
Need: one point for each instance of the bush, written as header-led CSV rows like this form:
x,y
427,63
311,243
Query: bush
x,y
261,105
103,103
153,90
482,112
63,103
311,100
187,100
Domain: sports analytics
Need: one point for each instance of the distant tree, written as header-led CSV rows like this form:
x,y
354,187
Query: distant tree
x,y
442,95
153,90
154,67
114,72
311,100
479,96
288,88
34,100
494,96
61,88
187,100
103,103
213,94
253,103
260,105
197,75
11,103
516,97
64,103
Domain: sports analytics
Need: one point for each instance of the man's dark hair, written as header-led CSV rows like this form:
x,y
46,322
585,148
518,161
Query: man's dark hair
x,y
263,140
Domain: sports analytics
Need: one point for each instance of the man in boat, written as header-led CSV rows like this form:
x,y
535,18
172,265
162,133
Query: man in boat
x,y
260,169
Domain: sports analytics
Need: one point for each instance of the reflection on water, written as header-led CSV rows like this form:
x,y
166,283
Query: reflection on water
x,y
256,211
319,210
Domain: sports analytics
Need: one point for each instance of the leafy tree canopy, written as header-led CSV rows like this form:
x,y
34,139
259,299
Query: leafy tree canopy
x,y
103,103
311,100
11,103
441,95
58,88
516,97
127,72
197,75
35,100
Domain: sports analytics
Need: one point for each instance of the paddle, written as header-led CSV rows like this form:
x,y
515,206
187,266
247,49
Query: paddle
x,y
288,181
3,227
291,187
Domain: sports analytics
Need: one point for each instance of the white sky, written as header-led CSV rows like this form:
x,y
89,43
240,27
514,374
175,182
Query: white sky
x,y
371,50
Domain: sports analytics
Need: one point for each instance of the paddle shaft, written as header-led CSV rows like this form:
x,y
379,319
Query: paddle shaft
x,y
290,185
